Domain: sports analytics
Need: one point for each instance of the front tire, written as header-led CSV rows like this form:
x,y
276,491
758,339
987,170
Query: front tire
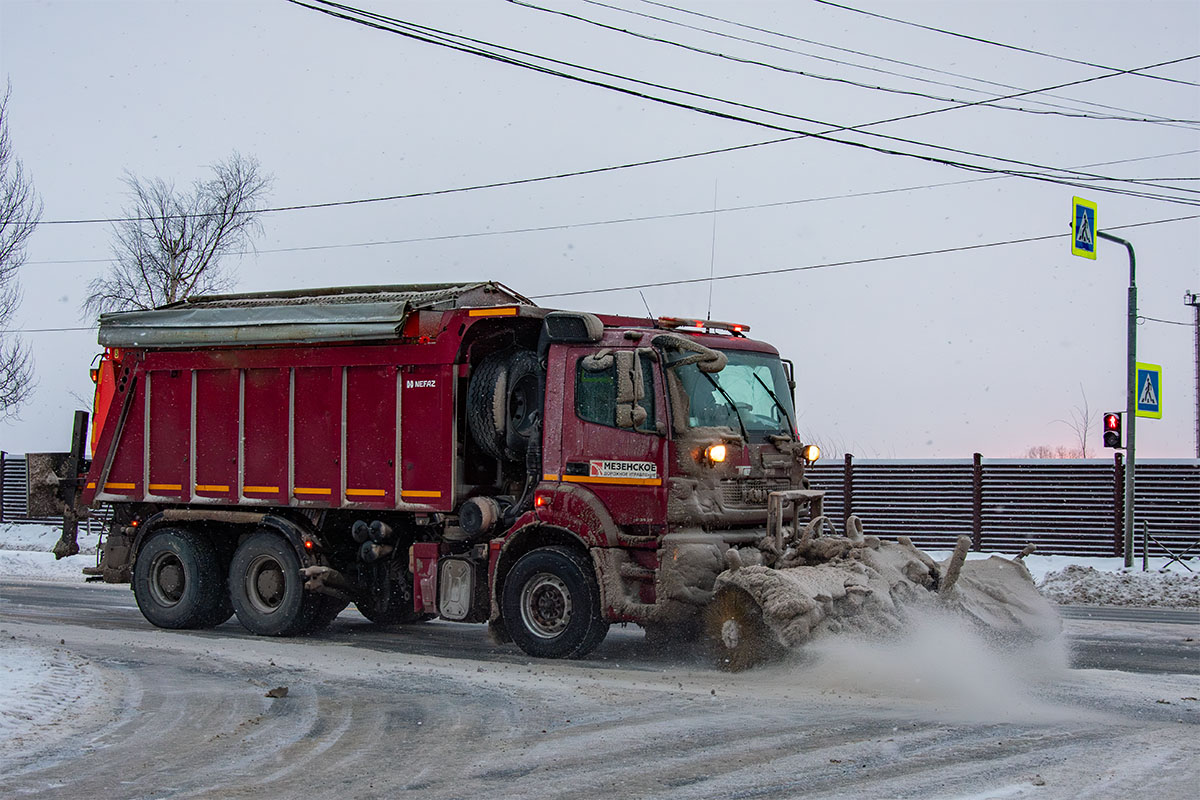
x,y
551,604
267,589
178,581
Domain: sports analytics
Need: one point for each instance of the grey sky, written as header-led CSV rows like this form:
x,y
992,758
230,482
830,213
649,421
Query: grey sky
x,y
937,356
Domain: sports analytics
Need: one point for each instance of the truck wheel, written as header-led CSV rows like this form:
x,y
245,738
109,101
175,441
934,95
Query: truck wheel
x,y
736,632
267,589
551,604
502,399
178,581
328,608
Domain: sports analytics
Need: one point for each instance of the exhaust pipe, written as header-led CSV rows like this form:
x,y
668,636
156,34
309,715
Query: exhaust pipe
x,y
373,551
381,532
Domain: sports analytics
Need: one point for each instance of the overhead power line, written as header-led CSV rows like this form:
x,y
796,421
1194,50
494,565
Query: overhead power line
x,y
847,263
474,46
1159,120
625,220
470,187
990,103
994,43
598,170
779,270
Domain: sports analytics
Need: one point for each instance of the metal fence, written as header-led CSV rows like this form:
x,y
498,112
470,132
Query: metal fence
x,y
14,501
1062,506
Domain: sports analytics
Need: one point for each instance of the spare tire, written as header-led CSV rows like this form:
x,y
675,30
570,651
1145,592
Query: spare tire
x,y
503,403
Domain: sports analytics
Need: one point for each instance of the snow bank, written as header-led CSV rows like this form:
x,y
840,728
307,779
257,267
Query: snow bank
x,y
1093,581
1088,586
39,538
25,553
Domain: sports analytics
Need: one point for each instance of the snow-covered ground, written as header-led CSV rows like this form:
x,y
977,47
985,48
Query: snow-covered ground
x,y
49,687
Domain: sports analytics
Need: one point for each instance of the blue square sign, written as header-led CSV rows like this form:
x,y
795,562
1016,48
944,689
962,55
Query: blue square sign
x,y
1083,228
1149,390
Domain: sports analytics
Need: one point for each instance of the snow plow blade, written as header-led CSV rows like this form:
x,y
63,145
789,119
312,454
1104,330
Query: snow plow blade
x,y
822,585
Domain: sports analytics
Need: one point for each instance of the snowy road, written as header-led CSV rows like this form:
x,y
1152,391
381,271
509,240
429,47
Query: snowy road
x,y
437,711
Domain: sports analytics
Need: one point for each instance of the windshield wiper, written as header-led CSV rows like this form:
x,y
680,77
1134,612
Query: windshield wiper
x,y
779,405
733,405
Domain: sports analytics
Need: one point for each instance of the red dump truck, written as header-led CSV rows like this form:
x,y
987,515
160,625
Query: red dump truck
x,y
447,450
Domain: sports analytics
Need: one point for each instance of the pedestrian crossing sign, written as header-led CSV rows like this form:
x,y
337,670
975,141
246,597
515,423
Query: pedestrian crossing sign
x,y
1083,228
1149,390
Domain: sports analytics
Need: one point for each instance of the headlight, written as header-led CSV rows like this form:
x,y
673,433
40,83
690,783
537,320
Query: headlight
x,y
715,453
811,453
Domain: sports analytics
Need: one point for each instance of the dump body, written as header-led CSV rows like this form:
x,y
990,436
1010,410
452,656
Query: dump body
x,y
336,424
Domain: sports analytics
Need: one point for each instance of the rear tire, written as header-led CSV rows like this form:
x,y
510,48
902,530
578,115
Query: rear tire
x,y
551,604
267,589
178,581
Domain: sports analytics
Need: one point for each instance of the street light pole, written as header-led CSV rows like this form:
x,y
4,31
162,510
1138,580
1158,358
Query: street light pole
x,y
1130,395
1193,299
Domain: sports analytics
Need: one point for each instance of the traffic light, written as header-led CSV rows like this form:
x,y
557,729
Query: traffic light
x,y
1112,429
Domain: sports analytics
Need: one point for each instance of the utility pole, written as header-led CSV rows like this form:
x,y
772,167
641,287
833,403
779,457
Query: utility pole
x,y
1192,299
1130,394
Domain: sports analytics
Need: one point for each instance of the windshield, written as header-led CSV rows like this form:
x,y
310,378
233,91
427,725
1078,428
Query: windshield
x,y
752,387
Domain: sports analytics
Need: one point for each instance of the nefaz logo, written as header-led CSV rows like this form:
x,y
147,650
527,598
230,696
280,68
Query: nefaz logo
x,y
420,384
622,469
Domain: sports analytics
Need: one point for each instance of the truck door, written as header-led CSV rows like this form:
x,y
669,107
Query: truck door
x,y
613,432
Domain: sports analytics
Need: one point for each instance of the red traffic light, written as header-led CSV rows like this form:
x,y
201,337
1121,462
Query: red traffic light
x,y
1112,429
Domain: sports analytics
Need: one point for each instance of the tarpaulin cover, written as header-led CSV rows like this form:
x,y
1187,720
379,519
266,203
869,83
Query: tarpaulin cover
x,y
305,315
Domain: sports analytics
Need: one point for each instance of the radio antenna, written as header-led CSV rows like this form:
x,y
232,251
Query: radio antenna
x,y
647,305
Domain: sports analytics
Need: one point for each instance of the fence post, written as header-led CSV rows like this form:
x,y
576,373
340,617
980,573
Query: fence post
x,y
1118,505
977,502
847,490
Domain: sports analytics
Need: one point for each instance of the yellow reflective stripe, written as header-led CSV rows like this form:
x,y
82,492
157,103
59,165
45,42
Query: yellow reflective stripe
x,y
91,485
211,487
419,493
310,490
549,476
492,312
166,487
615,481
366,492
129,486
271,489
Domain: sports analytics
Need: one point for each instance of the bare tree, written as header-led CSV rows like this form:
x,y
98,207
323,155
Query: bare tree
x,y
171,244
1045,451
20,211
1080,422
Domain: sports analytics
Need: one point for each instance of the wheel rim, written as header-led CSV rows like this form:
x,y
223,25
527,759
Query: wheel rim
x,y
521,401
545,606
167,579
265,584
